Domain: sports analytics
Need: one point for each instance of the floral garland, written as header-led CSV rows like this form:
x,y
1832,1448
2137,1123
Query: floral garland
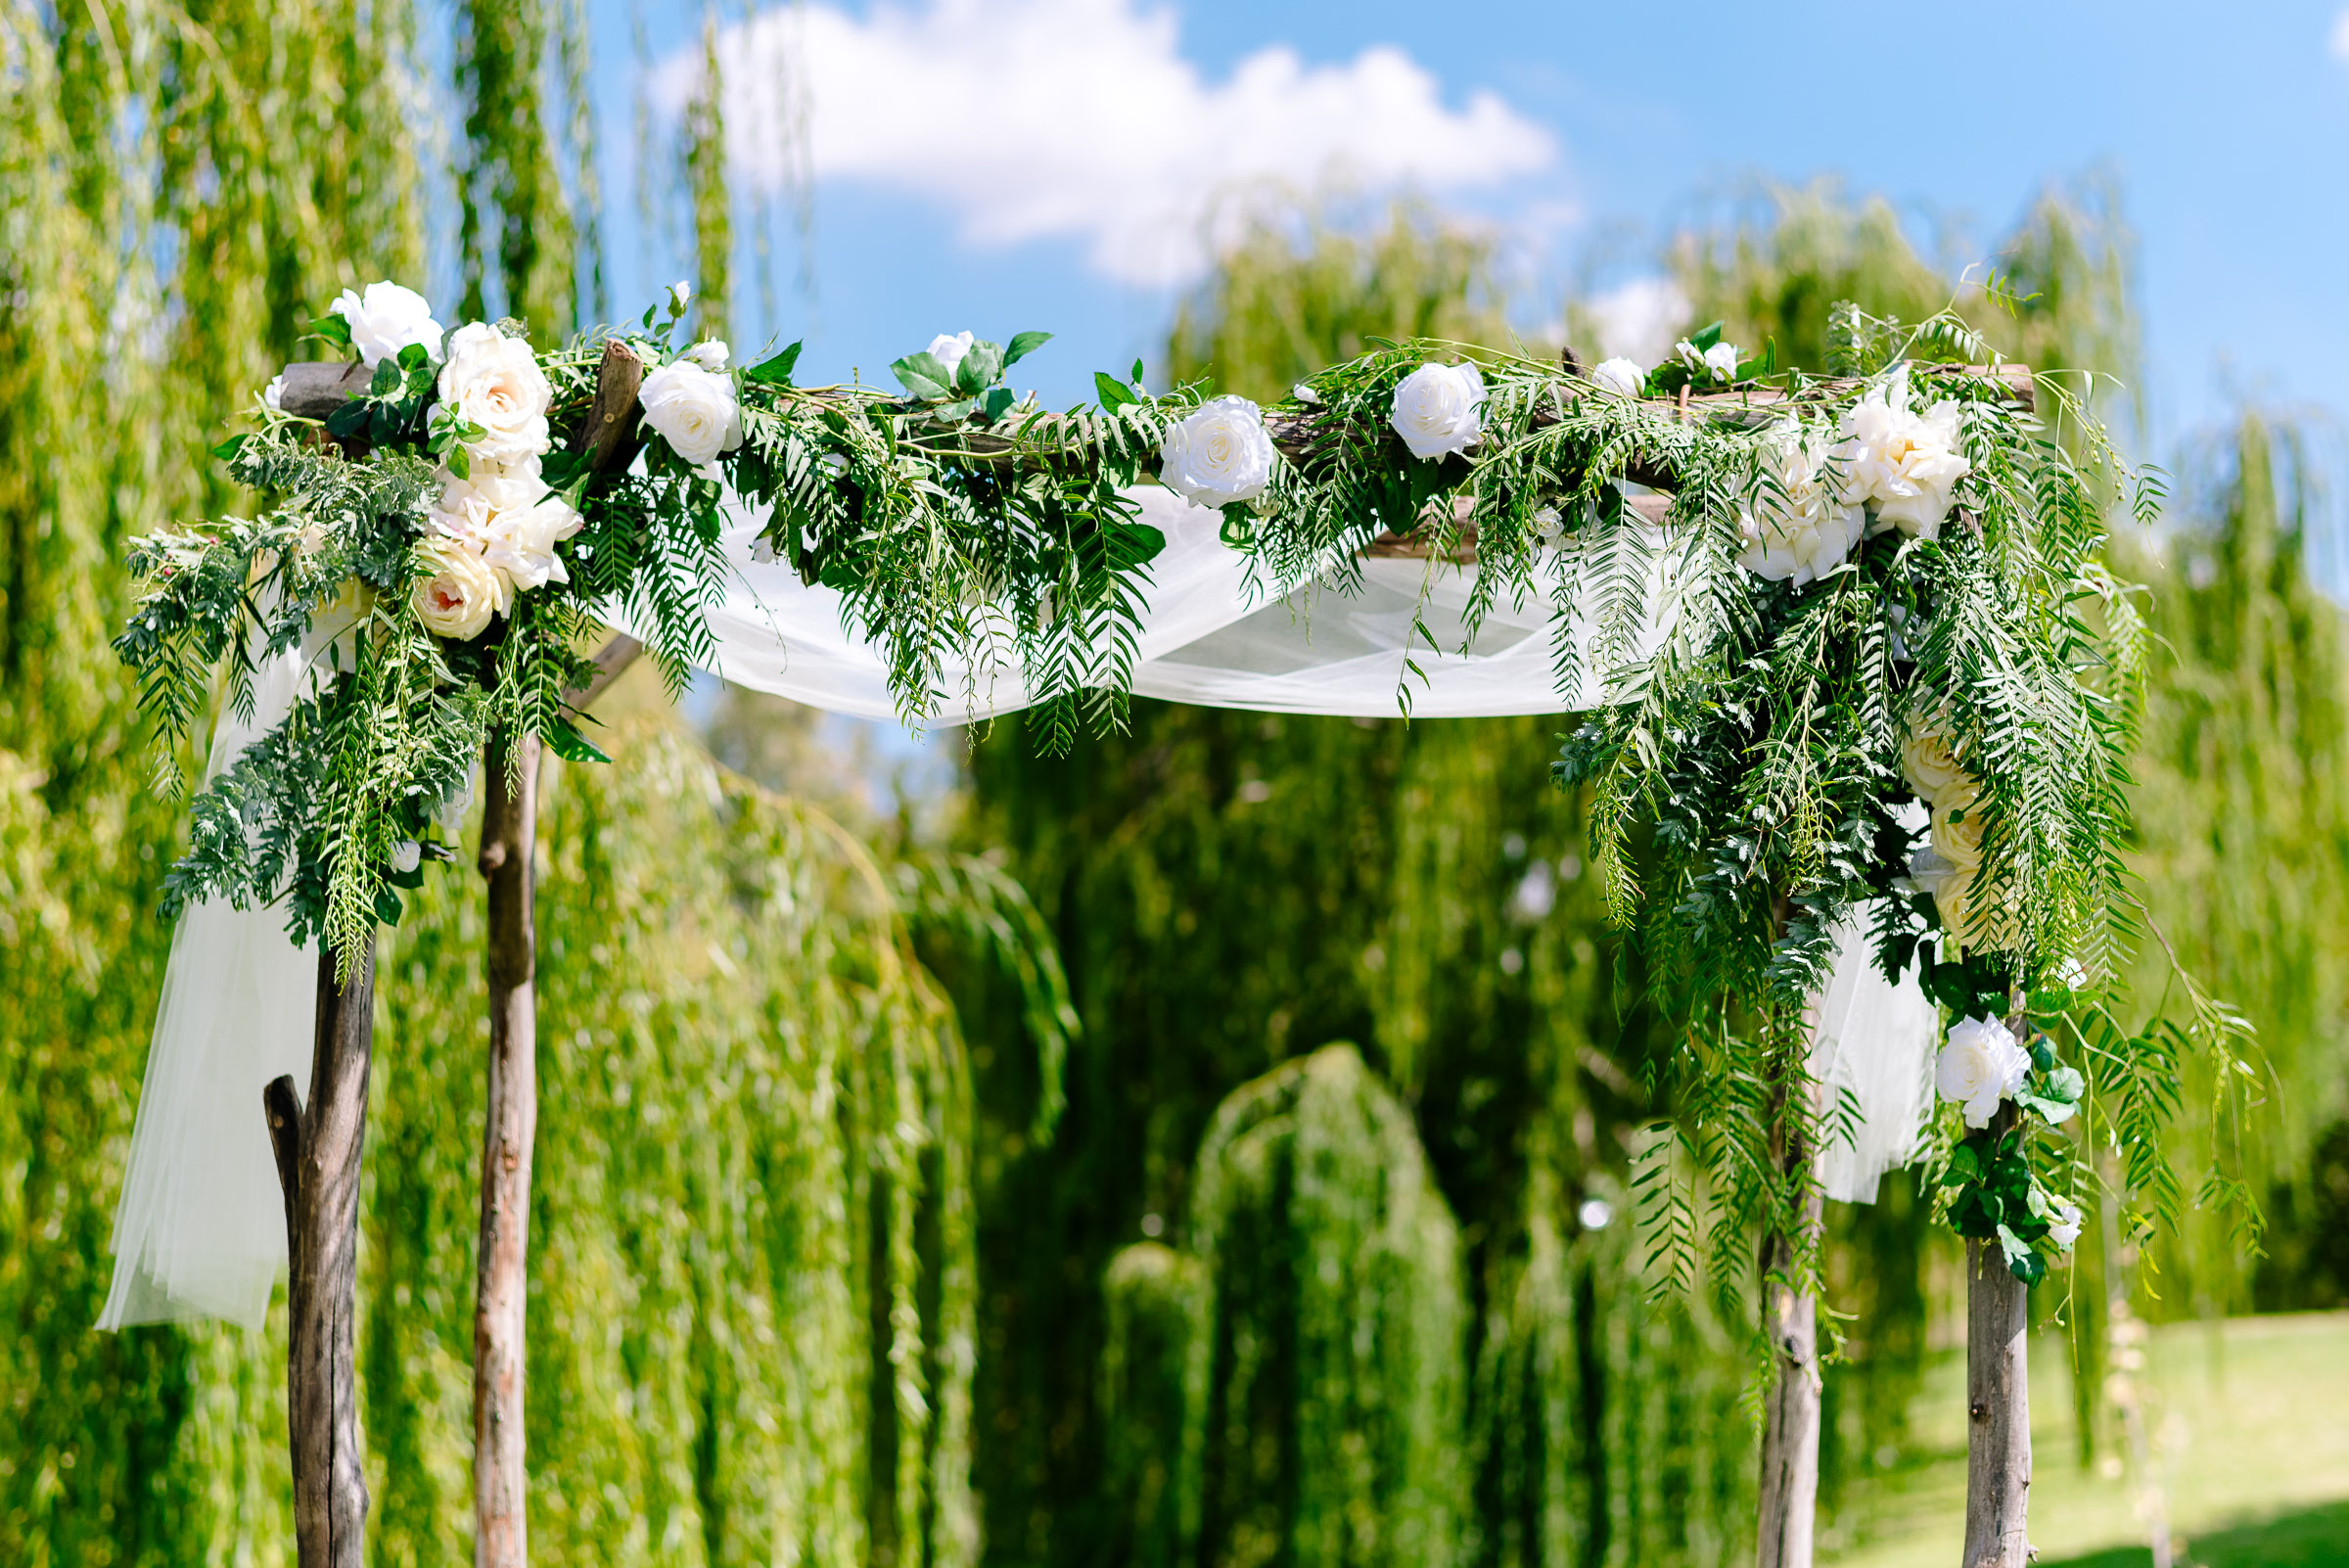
x,y
1876,589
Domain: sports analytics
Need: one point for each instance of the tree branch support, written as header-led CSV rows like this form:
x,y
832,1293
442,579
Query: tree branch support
x,y
318,1149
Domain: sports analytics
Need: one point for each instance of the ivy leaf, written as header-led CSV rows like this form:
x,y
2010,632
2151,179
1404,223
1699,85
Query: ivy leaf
x,y
1023,345
924,376
563,739
775,372
1115,393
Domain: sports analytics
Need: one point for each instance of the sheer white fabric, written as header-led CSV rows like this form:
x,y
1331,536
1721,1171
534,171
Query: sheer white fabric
x,y
200,1228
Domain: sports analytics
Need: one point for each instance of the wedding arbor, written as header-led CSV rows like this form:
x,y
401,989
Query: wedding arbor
x,y
1839,604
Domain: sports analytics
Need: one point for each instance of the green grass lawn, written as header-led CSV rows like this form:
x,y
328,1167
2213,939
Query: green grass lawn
x,y
2251,1427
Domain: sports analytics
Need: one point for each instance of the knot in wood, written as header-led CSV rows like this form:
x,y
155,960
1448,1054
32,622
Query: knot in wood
x,y
1979,1411
493,856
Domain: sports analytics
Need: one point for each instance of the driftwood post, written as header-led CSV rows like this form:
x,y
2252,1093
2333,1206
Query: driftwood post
x,y
322,1209
1997,1398
318,1146
1790,1500
509,850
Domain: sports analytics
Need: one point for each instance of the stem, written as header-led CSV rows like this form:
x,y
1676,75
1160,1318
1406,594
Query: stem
x,y
318,1153
508,839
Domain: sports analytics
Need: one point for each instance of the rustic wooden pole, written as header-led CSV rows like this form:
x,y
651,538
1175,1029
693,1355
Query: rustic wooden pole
x,y
508,856
509,844
318,1148
1789,1499
1997,1401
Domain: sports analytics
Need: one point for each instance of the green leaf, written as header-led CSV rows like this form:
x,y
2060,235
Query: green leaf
x,y
1115,393
1705,337
387,906
775,372
1143,543
924,376
2066,1084
563,739
1023,345
387,378
1137,374
1964,1165
414,358
979,368
228,449
332,329
997,403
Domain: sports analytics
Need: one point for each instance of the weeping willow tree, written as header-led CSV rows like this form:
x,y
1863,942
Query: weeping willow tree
x,y
753,1291
1232,892
752,1273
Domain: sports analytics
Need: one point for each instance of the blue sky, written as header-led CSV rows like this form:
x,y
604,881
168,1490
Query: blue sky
x,y
995,167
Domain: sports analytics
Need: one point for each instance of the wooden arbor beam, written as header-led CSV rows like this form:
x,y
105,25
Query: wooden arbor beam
x,y
607,437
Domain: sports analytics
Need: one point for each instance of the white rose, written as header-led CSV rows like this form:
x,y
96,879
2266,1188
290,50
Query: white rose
x,y
681,295
1717,363
948,350
406,855
1931,763
385,319
1622,376
694,411
493,382
1980,1066
1217,455
467,508
523,542
1797,528
458,591
710,355
273,395
1905,464
2064,1227
1438,410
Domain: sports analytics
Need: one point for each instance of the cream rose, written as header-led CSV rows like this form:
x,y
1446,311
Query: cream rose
x,y
458,591
508,519
1217,455
1438,408
1980,1064
493,382
1929,764
1902,463
1622,376
694,411
385,319
1797,529
710,355
1957,818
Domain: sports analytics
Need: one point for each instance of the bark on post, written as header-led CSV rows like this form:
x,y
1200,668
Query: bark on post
x,y
509,849
1997,1401
1790,1412
318,1148
509,841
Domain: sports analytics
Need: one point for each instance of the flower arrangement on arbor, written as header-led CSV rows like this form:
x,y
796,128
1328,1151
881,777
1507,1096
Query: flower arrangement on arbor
x,y
1864,661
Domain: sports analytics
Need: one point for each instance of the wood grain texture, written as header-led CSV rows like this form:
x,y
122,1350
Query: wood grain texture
x,y
318,1149
1791,1411
1997,1401
509,844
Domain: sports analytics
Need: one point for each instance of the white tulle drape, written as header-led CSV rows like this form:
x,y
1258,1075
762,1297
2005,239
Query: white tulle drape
x,y
201,1230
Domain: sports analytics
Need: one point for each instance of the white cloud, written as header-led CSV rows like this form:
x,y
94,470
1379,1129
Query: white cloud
x,y
1080,119
1639,319
2340,36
